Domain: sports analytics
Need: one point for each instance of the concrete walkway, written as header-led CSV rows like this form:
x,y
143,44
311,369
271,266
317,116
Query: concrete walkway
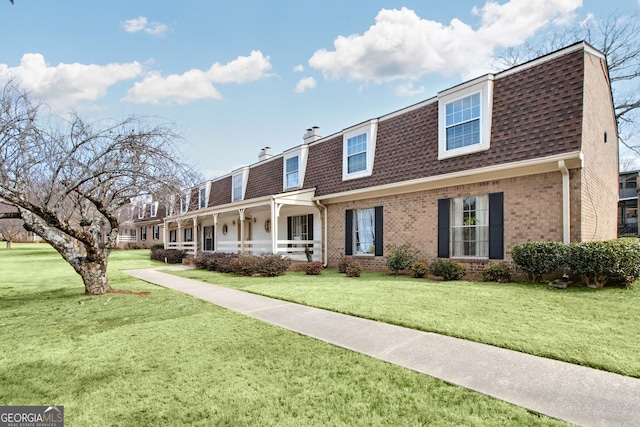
x,y
561,390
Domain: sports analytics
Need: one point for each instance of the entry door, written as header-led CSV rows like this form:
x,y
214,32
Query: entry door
x,y
207,241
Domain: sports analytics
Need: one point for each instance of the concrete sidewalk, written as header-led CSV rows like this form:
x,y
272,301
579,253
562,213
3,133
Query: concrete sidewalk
x,y
572,393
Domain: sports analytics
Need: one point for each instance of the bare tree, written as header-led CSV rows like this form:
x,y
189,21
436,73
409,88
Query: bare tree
x,y
618,37
68,178
10,226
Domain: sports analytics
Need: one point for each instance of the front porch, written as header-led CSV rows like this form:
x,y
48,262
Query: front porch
x,y
289,225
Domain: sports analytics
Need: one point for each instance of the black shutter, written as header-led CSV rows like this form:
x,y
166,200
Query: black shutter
x,y
443,228
348,232
289,231
379,240
310,231
496,225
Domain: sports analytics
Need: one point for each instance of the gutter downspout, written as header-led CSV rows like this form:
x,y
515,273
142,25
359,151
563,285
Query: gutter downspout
x,y
566,212
325,239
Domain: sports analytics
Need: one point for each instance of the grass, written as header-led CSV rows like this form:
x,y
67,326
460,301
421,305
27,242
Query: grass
x,y
595,328
170,359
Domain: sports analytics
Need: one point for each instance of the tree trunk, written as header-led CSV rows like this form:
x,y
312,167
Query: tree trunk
x,y
94,276
8,244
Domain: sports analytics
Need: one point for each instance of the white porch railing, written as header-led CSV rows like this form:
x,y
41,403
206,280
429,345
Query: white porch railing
x,y
190,247
122,238
294,249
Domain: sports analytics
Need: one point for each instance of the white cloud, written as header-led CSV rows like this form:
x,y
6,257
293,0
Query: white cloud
x,y
67,84
407,89
403,46
198,84
304,84
300,68
140,23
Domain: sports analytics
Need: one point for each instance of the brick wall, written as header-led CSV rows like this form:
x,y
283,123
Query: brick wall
x,y
532,212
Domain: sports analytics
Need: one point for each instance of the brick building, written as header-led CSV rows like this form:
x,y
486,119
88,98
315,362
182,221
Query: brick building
x,y
527,154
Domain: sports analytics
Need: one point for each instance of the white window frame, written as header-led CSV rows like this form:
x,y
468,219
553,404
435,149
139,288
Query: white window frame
x,y
479,226
243,176
203,201
482,86
141,211
156,232
154,209
361,228
302,154
369,128
184,202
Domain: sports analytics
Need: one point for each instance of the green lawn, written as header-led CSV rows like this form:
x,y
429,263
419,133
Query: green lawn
x,y
596,328
170,359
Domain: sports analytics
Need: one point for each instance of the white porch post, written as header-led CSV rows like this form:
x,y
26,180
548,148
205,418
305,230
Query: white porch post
x,y
241,225
165,233
194,235
215,232
179,236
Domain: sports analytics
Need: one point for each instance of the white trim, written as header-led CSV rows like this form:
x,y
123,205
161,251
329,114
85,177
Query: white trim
x,y
370,129
502,171
153,209
482,86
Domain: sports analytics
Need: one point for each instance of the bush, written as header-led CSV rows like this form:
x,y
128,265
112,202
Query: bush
x,y
157,246
342,265
272,265
269,265
400,257
216,261
448,270
353,269
170,256
616,262
539,258
496,273
313,268
420,269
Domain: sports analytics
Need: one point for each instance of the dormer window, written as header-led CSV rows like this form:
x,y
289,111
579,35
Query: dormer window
x,y
154,209
202,198
140,211
238,184
358,150
294,165
184,202
464,118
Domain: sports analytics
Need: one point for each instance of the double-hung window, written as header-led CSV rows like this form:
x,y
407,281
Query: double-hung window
x,y
471,226
357,153
143,233
238,182
156,232
464,118
184,202
463,122
358,150
364,231
188,234
292,172
154,209
202,198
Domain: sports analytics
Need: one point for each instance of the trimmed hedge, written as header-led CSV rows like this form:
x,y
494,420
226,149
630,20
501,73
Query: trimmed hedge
x,y
170,256
614,262
243,265
218,261
420,269
496,273
313,268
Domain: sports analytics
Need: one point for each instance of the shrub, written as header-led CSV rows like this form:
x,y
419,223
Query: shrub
x,y
157,246
420,268
269,265
448,270
272,265
313,268
353,269
216,261
539,258
400,257
616,262
170,256
496,273
342,265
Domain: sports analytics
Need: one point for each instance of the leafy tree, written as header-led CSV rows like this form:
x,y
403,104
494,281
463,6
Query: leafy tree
x,y
618,37
67,178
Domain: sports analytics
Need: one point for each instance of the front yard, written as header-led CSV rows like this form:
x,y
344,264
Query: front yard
x,y
171,359
596,328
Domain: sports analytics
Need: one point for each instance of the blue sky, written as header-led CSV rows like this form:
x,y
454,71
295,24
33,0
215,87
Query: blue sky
x,y
236,76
